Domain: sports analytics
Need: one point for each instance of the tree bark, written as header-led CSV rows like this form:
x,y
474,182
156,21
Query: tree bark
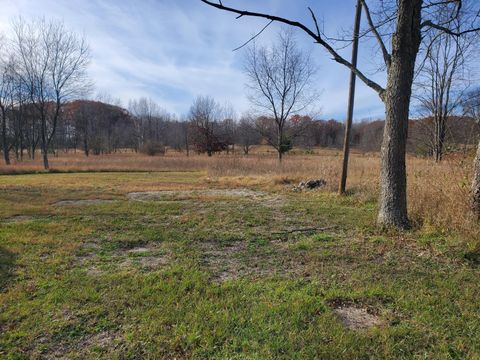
x,y
393,179
476,184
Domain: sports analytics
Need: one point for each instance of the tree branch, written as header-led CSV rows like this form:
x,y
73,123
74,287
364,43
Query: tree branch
x,y
386,55
253,37
429,23
318,39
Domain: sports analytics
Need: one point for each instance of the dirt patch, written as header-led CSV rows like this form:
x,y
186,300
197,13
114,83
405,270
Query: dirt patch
x,y
88,252
94,271
106,341
236,260
82,202
149,262
18,218
223,259
138,250
145,256
182,195
357,318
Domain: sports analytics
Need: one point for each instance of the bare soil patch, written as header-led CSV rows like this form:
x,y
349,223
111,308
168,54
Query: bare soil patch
x,y
94,271
181,195
223,260
234,260
18,218
146,256
138,250
149,262
82,202
88,251
103,340
357,318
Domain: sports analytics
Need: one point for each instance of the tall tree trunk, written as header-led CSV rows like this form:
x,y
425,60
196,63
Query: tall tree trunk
x,y
45,158
439,141
6,150
44,143
476,184
86,148
280,144
393,179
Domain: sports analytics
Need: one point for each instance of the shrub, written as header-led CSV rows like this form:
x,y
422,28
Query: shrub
x,y
152,148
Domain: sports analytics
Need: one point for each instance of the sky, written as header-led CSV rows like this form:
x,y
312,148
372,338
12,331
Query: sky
x,y
174,50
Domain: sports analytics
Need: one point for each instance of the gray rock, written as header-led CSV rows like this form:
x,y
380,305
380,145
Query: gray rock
x,y
310,184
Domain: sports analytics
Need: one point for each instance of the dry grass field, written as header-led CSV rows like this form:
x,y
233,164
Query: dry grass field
x,y
126,256
438,193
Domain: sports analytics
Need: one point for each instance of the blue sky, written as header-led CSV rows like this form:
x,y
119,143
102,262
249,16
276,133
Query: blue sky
x,y
174,50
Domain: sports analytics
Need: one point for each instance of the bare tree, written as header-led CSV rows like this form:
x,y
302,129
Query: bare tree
x,y
228,133
205,115
7,91
149,119
442,78
247,135
52,63
411,17
280,80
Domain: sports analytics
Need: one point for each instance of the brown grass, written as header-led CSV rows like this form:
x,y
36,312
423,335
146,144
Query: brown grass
x,y
438,193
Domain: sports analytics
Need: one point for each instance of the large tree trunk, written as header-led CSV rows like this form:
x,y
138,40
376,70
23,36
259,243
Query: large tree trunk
x,y
393,179
476,184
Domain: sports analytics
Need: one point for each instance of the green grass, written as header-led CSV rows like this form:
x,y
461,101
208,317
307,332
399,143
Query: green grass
x,y
206,277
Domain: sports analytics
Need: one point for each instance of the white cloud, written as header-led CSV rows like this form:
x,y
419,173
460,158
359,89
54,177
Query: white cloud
x,y
172,51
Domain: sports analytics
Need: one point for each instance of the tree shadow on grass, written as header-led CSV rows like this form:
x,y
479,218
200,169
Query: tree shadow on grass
x,y
7,264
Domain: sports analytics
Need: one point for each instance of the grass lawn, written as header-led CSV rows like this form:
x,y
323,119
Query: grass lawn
x,y
104,265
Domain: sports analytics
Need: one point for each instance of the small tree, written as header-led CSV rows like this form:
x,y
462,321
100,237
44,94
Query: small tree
x,y
205,114
280,82
247,135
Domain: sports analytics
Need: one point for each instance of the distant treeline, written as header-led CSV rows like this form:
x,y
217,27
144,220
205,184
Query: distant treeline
x,y
96,127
